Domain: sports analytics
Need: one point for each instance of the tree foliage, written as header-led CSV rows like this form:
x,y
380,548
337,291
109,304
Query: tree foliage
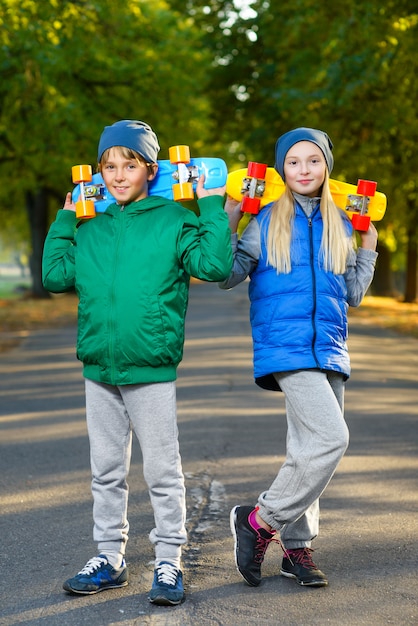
x,y
71,67
345,67
222,76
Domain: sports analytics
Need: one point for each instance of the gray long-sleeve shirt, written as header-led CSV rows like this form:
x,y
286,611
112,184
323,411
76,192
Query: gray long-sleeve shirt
x,y
247,250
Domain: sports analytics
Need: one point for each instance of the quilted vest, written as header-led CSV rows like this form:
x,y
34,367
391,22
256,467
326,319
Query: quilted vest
x,y
298,320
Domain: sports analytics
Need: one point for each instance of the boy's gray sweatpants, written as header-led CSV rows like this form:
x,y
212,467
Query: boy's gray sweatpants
x,y
113,412
317,438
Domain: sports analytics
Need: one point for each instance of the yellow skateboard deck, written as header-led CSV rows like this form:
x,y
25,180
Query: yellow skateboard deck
x,y
258,185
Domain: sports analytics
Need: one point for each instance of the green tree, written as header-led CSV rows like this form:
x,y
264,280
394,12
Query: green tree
x,y
346,67
71,67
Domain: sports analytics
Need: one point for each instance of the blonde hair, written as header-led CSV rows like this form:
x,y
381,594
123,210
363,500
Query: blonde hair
x,y
336,242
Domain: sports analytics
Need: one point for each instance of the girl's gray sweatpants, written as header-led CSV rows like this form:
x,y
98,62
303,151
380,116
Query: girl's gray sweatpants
x,y
317,438
113,413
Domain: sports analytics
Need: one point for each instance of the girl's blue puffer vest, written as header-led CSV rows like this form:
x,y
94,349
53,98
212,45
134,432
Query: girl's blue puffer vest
x,y
298,320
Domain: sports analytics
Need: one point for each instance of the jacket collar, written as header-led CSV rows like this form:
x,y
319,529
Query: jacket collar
x,y
307,204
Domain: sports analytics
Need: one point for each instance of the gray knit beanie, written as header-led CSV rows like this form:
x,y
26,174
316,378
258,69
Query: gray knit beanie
x,y
286,141
131,134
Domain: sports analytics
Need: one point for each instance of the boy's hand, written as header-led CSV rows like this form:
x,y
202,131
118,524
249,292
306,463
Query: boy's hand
x,y
201,192
69,204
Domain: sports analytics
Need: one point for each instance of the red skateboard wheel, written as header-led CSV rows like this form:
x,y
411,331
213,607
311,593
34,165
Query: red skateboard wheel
x,y
257,170
366,187
360,222
250,205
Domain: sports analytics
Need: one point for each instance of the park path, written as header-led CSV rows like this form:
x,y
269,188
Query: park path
x,y
232,439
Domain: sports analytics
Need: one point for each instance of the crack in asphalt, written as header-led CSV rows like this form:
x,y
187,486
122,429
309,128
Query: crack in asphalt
x,y
206,503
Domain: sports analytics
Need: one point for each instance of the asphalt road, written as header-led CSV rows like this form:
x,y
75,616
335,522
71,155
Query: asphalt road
x,y
232,440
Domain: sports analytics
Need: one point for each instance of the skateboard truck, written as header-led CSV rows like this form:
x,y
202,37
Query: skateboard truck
x,y
82,174
358,204
184,174
95,192
253,187
269,187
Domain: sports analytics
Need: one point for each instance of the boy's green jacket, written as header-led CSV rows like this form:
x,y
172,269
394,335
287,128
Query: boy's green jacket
x,y
130,267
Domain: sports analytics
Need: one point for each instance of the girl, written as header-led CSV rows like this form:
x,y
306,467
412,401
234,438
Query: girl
x,y
304,274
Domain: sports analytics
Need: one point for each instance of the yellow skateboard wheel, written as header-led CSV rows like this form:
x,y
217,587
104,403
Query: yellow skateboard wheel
x,y
179,154
183,191
84,209
81,174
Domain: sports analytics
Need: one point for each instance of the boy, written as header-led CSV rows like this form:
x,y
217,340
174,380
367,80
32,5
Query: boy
x,y
130,267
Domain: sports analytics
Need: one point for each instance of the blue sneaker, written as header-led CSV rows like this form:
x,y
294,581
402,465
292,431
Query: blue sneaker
x,y
97,575
167,587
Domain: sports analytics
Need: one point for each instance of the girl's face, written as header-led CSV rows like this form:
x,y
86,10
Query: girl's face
x,y
304,168
126,179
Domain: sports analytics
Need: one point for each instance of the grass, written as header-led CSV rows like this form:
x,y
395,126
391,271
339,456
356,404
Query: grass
x,y
18,315
11,288
391,313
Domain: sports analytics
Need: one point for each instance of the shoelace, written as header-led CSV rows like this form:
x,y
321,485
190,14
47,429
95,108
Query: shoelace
x,y
303,556
262,545
167,574
93,565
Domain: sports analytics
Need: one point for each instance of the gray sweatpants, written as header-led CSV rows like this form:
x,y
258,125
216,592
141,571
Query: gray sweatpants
x,y
317,438
113,412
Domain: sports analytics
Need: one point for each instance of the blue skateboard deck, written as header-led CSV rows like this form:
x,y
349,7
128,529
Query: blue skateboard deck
x,y
214,170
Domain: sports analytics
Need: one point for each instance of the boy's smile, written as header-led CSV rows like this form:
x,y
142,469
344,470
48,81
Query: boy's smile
x,y
126,179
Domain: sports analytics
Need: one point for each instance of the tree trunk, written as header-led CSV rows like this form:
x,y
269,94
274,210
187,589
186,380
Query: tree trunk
x,y
411,265
383,283
37,210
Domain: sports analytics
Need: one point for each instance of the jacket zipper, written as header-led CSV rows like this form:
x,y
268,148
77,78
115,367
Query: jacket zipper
x,y
112,296
313,288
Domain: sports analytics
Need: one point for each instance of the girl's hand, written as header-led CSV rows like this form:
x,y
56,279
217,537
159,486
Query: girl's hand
x,y
201,192
369,238
69,204
233,209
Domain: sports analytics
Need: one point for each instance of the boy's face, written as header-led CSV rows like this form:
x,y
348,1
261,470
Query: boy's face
x,y
304,168
126,179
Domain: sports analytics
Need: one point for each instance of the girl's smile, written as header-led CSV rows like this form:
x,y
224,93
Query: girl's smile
x,y
304,168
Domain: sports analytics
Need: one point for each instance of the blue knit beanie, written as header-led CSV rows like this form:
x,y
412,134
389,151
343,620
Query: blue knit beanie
x,y
131,134
286,141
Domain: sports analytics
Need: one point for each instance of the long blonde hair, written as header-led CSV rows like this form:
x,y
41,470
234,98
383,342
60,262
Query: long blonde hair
x,y
335,245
